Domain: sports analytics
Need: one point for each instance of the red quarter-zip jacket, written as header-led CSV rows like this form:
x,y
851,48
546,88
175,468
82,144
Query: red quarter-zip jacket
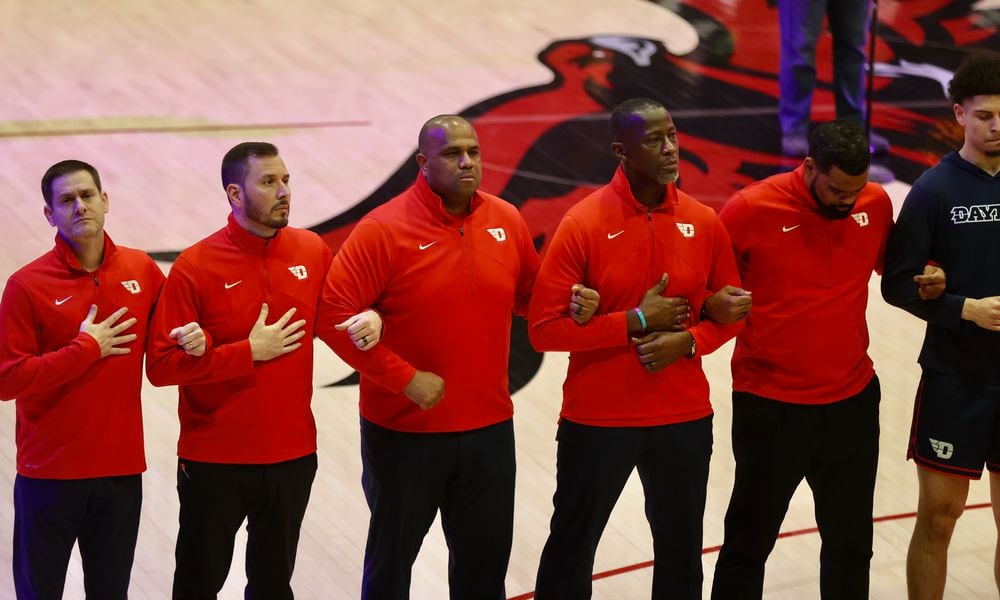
x,y
806,339
232,409
78,415
612,243
446,288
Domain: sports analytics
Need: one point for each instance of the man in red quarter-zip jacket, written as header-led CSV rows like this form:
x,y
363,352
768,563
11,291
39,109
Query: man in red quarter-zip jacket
x,y
805,394
72,335
247,445
635,395
447,266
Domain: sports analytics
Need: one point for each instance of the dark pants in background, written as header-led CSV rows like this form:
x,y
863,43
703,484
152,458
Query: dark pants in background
x,y
801,23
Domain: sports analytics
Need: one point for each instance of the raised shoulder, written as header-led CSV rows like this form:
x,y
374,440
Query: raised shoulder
x,y
598,206
498,207
304,237
691,209
134,256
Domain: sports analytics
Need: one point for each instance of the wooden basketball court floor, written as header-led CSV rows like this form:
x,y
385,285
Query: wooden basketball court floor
x,y
153,93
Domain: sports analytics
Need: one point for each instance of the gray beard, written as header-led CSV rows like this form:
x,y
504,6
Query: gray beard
x,y
667,180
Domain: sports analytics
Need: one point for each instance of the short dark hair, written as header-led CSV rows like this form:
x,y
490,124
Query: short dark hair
x,y
63,168
623,114
978,75
842,144
235,164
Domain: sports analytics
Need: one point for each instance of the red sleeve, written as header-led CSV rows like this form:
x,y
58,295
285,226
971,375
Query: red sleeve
x,y
360,272
529,269
157,280
698,302
24,370
550,326
166,362
709,335
734,216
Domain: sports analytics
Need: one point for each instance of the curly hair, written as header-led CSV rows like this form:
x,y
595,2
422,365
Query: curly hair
x,y
978,75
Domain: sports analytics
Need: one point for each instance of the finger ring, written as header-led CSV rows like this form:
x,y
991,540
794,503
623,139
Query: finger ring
x,y
579,309
678,318
189,345
364,340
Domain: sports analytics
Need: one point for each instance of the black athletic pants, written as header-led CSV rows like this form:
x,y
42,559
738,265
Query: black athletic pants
x,y
215,498
408,477
777,444
593,465
50,515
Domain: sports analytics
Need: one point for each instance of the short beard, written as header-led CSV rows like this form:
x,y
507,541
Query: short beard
x,y
268,219
829,212
668,179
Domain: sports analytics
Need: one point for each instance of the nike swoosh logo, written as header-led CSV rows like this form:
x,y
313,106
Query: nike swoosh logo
x,y
787,229
60,302
612,236
234,284
426,246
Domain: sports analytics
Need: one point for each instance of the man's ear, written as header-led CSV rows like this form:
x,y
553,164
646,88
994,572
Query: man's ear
x,y
809,169
235,194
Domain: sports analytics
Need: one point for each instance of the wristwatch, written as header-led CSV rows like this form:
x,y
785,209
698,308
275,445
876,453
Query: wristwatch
x,y
694,348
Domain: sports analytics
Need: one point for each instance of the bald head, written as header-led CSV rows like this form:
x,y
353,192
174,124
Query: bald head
x,y
448,155
436,129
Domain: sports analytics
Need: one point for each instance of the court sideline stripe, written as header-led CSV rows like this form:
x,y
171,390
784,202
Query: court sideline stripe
x,y
711,549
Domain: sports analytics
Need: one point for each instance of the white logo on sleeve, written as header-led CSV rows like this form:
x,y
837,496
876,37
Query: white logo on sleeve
x,y
944,450
299,271
498,233
861,218
686,229
132,285
786,229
